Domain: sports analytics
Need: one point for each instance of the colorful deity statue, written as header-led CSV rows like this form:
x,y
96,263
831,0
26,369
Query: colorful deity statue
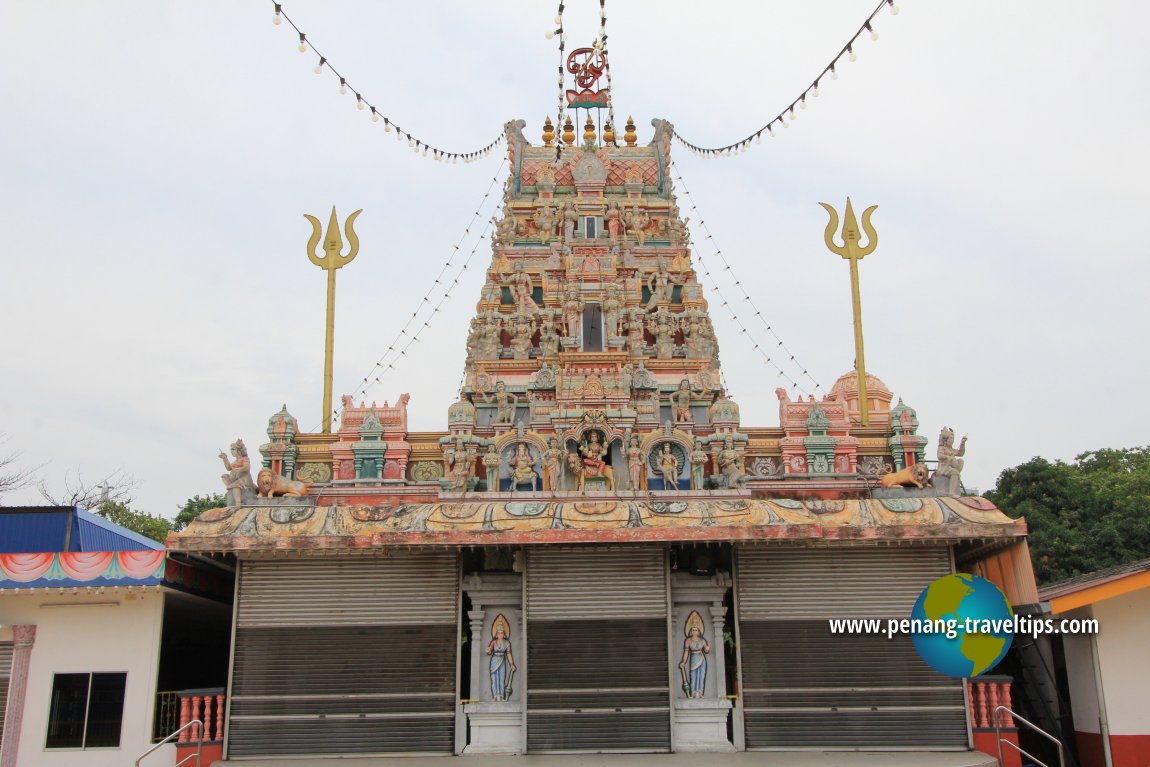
x,y
635,463
523,468
611,308
634,328
544,219
614,222
680,401
637,222
521,287
731,463
238,481
693,665
501,667
505,404
662,327
947,477
490,339
698,461
669,467
491,464
521,338
552,465
661,284
573,308
548,336
570,218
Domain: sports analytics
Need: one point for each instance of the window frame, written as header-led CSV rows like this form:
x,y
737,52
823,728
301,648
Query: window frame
x,y
87,714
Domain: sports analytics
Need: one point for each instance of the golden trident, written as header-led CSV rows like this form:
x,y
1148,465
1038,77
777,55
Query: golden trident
x,y
853,252
331,260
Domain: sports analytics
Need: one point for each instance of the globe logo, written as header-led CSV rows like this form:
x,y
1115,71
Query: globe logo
x,y
967,625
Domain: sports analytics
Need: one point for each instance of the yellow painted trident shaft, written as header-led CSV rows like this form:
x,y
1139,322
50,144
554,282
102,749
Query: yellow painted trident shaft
x,y
853,251
330,262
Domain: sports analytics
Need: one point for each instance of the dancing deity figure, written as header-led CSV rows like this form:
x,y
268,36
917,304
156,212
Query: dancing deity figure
x,y
680,400
505,404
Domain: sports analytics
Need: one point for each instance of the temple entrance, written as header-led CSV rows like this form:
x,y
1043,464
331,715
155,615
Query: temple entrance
x,y
804,687
597,649
351,656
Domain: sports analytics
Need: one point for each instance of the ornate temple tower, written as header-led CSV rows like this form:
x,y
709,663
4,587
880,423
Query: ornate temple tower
x,y
592,363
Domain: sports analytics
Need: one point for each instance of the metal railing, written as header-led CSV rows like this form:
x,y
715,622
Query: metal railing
x,y
1033,727
167,714
174,735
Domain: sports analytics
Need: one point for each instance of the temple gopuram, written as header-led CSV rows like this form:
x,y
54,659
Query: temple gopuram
x,y
595,554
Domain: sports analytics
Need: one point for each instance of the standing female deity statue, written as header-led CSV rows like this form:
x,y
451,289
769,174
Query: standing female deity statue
x,y
573,307
698,460
491,463
552,465
502,666
669,467
693,666
611,307
635,464
614,223
548,337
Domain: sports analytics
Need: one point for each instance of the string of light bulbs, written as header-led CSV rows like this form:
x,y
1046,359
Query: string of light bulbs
x,y
394,352
418,145
739,283
743,330
562,106
790,112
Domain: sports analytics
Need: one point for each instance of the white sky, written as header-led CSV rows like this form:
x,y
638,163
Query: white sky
x,y
156,159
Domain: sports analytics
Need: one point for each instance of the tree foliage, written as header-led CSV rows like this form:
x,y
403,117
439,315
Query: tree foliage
x,y
156,528
195,506
1083,516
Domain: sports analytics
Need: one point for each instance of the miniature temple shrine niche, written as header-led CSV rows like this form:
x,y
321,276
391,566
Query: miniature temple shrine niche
x,y
595,554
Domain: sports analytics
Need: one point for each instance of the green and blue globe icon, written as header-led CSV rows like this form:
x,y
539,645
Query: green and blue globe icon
x,y
970,602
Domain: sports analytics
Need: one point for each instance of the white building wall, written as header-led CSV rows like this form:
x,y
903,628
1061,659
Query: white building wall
x,y
1123,633
1080,673
115,631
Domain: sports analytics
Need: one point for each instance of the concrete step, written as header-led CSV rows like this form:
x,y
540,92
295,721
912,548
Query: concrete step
x,y
747,759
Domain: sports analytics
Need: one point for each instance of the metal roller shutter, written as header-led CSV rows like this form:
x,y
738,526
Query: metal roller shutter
x,y
5,675
803,686
345,657
597,650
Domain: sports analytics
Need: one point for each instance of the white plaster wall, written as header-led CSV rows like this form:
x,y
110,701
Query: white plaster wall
x,y
1123,634
74,634
1080,673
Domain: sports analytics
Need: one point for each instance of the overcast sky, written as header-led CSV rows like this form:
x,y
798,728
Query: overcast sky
x,y
156,160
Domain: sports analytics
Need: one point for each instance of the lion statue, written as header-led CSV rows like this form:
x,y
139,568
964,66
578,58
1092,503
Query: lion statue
x,y
912,475
269,484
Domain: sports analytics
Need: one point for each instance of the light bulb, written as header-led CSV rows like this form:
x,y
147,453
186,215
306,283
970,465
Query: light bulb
x,y
558,19
387,126
342,88
374,116
815,91
358,103
318,67
302,47
277,19
758,138
873,33
425,151
894,9
771,130
410,143
851,55
834,74
550,34
803,103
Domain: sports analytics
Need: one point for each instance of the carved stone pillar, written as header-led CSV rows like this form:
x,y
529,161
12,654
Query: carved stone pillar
x,y
23,637
495,717
700,715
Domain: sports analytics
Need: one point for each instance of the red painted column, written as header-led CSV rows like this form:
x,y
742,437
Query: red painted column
x,y
185,717
219,734
23,637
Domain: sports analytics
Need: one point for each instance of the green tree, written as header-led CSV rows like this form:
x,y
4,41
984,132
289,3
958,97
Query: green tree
x,y
195,506
156,528
1083,516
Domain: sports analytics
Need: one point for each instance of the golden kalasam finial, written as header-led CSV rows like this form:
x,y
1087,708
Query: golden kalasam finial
x,y
609,134
548,132
568,132
589,131
629,134
853,251
330,262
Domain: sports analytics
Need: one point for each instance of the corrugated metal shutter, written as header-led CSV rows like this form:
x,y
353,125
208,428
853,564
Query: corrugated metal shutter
x,y
597,650
803,686
345,657
5,675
